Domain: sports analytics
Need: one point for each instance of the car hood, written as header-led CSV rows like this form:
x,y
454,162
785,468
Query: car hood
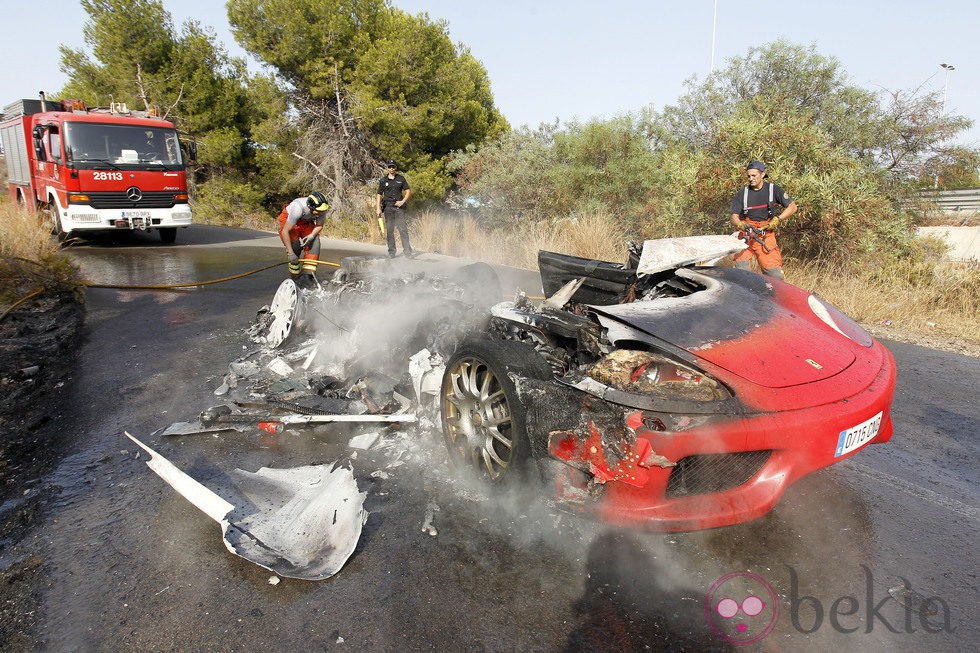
x,y
736,324
666,253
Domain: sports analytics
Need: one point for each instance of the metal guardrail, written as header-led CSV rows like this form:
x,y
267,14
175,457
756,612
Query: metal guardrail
x,y
952,201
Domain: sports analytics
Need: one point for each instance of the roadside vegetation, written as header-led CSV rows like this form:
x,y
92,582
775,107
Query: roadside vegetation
x,y
372,82
30,260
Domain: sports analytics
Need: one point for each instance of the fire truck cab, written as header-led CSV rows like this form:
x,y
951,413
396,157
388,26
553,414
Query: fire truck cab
x,y
96,169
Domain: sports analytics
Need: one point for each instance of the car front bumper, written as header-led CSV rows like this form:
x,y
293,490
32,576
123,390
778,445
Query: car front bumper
x,y
752,458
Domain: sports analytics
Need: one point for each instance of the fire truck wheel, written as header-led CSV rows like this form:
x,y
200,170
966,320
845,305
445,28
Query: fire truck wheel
x,y
59,231
168,235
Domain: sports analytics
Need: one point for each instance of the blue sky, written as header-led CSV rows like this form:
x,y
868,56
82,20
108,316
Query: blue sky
x,y
582,59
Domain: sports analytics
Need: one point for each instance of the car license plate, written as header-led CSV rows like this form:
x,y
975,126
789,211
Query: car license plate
x,y
136,215
857,436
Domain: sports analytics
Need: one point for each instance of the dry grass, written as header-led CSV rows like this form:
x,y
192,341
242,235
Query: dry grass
x,y
590,236
941,299
915,296
29,257
254,220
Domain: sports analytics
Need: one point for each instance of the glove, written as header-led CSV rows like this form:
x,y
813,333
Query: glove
x,y
305,240
772,224
293,257
741,224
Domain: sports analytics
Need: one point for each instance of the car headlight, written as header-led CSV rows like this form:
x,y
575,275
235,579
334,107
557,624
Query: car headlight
x,y
839,322
647,373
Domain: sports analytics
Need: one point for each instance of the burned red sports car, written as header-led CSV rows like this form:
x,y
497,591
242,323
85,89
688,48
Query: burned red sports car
x,y
665,395
656,393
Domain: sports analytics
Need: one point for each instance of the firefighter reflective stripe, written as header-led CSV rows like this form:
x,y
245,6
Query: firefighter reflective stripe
x,y
745,200
294,268
309,263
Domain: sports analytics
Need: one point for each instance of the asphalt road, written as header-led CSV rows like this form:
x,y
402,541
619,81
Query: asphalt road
x,y
130,565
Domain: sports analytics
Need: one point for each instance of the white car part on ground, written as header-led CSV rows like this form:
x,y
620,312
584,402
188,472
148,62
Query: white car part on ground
x,y
302,522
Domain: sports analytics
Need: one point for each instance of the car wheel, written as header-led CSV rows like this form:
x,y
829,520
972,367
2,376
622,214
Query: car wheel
x,y
285,311
59,230
483,420
168,235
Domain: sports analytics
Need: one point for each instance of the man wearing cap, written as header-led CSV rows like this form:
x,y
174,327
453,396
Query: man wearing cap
x,y
393,192
300,224
755,207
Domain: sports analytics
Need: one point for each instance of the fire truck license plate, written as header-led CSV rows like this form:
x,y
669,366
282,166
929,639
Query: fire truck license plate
x,y
136,215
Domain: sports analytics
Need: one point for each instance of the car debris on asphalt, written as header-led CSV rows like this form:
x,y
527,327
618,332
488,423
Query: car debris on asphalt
x,y
640,392
294,379
301,523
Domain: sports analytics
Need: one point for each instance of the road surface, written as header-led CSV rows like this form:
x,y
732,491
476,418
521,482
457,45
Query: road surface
x,y
130,565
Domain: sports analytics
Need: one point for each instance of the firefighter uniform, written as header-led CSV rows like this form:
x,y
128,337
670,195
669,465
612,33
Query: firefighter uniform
x,y
756,207
299,220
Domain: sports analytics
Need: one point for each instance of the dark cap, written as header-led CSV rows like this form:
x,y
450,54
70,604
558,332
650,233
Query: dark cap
x,y
392,164
756,165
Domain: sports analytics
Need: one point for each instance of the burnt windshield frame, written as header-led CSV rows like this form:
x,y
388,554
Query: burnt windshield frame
x,y
102,146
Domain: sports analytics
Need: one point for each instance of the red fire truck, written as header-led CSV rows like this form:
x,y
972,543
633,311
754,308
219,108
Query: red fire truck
x,y
95,169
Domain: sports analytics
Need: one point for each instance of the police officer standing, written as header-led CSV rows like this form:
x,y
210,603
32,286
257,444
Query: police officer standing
x,y
755,208
393,192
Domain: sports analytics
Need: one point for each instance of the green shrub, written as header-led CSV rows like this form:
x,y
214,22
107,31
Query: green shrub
x,y
230,202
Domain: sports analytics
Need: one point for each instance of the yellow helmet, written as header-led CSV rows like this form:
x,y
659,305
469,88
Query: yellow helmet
x,y
317,202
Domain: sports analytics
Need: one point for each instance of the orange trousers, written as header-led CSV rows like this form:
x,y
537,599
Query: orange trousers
x,y
767,260
300,229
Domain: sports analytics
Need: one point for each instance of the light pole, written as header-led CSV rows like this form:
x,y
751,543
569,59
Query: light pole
x,y
948,68
714,29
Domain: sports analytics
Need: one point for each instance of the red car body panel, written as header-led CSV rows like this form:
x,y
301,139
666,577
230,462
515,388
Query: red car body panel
x,y
802,440
799,385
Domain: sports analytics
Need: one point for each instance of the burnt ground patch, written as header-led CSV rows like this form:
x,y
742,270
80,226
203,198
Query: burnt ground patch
x,y
38,343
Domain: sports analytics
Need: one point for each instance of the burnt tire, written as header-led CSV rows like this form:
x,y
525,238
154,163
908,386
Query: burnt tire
x,y
481,283
168,235
484,422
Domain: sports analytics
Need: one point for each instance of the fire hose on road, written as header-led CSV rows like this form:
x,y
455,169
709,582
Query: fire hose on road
x,y
170,286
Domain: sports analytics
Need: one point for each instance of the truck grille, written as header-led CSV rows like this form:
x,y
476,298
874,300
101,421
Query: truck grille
x,y
714,472
150,200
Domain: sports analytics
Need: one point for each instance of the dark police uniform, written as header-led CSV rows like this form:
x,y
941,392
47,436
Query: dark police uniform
x,y
391,191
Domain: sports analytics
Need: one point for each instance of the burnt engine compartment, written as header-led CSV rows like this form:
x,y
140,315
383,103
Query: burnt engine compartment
x,y
570,335
608,283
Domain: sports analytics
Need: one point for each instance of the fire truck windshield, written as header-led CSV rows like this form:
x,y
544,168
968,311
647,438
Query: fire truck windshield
x,y
90,145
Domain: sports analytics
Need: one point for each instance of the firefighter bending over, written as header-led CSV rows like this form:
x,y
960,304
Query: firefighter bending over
x,y
300,224
753,212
